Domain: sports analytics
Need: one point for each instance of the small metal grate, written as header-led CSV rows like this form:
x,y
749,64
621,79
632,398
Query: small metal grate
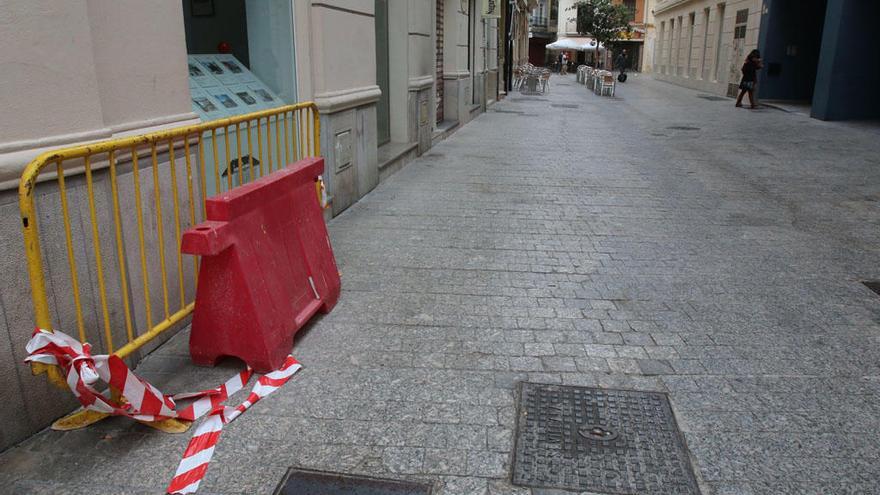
x,y
683,128
874,285
308,482
599,441
564,105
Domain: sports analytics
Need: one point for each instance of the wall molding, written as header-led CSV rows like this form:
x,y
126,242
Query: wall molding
x,y
456,74
15,156
421,82
337,101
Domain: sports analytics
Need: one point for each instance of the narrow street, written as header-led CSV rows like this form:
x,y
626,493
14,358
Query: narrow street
x,y
656,241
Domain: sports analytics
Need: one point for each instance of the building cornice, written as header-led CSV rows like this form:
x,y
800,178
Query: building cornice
x,y
670,4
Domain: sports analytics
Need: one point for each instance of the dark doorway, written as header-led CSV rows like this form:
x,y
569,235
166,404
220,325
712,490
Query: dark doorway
x,y
791,39
383,106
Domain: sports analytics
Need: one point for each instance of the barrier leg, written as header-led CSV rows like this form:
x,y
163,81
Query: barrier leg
x,y
78,419
82,418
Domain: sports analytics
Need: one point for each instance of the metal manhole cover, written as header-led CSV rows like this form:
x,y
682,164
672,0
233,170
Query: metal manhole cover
x,y
683,128
599,440
712,97
518,112
564,105
307,482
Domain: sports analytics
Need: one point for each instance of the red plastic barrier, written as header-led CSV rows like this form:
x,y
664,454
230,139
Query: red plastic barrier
x,y
267,267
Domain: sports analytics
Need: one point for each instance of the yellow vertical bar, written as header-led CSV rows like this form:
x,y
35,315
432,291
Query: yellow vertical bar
x,y
250,153
316,133
71,260
269,142
278,143
31,236
301,121
238,149
102,291
260,144
120,254
160,234
294,132
139,210
216,162
286,140
203,175
176,204
226,160
190,194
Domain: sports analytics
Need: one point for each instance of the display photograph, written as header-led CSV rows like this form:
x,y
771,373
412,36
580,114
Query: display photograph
x,y
205,104
226,100
246,97
214,67
264,95
232,66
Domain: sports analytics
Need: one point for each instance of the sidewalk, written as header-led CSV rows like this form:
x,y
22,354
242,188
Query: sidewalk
x,y
654,241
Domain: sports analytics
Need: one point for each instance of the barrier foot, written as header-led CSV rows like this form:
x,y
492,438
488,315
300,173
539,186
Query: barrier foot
x,y
172,425
78,419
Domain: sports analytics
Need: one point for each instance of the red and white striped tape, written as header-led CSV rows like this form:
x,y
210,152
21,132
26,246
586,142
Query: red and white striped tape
x,y
147,403
198,454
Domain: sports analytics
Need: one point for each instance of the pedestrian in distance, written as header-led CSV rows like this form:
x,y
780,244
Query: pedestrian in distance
x,y
750,78
564,70
559,63
620,63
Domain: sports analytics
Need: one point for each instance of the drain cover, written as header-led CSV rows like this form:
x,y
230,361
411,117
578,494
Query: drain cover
x,y
564,105
712,97
518,112
597,440
874,285
683,128
307,482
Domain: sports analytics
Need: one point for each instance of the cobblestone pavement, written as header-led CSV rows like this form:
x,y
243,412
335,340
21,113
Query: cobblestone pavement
x,y
653,241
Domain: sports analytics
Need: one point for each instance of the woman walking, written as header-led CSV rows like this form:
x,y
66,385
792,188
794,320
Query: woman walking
x,y
749,78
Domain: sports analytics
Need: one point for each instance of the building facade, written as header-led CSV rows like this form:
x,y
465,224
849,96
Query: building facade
x,y
542,31
390,77
633,42
814,51
701,44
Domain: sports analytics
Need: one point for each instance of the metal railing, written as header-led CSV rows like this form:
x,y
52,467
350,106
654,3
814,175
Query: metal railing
x,y
239,149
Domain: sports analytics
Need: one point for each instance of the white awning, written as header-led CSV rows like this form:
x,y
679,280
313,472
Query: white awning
x,y
578,44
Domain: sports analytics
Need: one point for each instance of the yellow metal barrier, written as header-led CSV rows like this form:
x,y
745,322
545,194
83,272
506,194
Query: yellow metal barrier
x,y
279,136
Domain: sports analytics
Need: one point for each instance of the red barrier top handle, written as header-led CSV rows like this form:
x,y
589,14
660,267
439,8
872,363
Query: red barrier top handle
x,y
245,198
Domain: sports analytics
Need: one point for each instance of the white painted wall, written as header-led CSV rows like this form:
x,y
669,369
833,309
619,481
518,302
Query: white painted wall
x,y
82,70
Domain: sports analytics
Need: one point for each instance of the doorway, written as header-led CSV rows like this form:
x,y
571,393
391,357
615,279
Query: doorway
x,y
383,106
792,39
